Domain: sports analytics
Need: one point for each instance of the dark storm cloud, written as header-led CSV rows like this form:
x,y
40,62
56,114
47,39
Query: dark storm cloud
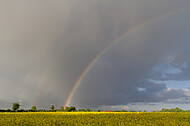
x,y
49,43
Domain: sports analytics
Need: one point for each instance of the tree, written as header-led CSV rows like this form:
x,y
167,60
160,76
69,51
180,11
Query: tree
x,y
33,108
88,110
2,110
72,109
61,108
52,108
15,106
81,110
155,111
20,110
8,110
67,108
178,109
172,110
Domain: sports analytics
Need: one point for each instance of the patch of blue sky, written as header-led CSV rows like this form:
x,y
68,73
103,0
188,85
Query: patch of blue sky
x,y
172,70
177,84
166,68
174,84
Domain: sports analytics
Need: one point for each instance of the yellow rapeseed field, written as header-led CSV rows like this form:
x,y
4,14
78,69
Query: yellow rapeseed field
x,y
95,119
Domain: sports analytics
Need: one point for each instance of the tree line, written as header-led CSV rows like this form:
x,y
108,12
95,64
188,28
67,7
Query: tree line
x,y
16,106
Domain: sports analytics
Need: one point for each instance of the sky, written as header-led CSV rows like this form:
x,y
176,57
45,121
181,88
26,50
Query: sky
x,y
45,46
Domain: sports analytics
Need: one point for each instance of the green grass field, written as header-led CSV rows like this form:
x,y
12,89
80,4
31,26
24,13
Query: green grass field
x,y
96,118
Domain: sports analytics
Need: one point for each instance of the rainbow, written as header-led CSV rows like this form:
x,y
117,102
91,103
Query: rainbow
x,y
46,76
87,69
84,73
48,72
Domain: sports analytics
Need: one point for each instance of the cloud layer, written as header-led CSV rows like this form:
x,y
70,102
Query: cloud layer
x,y
46,45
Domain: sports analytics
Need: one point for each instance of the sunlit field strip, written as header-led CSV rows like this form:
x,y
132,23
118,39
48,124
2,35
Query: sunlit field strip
x,y
96,118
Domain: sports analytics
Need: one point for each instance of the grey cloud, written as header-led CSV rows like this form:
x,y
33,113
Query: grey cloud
x,y
48,44
180,61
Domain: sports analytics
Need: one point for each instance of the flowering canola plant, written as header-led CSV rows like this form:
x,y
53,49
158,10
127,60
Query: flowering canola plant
x,y
96,118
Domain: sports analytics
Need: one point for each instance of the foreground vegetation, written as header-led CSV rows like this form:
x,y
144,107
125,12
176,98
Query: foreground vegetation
x,y
96,118
71,116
